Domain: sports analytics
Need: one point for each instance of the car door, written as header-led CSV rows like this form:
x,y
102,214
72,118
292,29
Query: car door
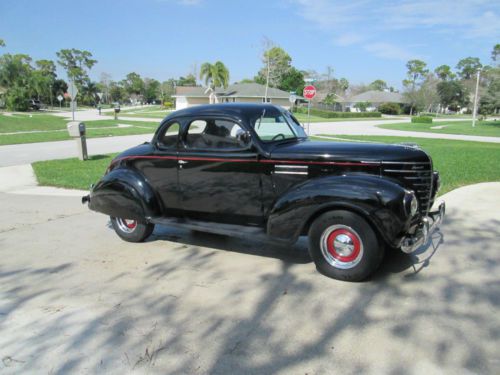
x,y
161,169
219,176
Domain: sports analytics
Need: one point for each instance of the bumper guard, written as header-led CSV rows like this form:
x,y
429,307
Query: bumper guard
x,y
430,223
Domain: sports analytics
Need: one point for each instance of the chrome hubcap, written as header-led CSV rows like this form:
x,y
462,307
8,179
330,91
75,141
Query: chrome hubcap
x,y
341,246
126,225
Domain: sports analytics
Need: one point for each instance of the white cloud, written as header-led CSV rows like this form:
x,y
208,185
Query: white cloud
x,y
189,2
389,51
472,18
357,22
349,39
182,2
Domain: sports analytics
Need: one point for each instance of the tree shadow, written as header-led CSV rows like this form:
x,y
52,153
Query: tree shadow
x,y
195,311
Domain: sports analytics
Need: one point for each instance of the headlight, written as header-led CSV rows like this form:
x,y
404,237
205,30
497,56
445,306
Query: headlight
x,y
411,203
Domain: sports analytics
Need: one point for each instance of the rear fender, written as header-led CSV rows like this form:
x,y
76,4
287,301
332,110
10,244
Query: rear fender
x,y
378,200
124,193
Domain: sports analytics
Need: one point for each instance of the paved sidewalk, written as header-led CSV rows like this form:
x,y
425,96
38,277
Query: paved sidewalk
x,y
93,114
21,179
31,152
370,128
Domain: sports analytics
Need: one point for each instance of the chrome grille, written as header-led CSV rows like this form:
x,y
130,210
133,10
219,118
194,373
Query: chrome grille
x,y
416,176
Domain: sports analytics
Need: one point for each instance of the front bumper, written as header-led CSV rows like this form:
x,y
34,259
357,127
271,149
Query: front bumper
x,y
429,224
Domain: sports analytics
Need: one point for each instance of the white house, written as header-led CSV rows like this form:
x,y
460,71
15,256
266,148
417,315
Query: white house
x,y
375,98
188,96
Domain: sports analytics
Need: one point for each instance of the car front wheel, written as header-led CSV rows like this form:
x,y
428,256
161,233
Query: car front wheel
x,y
131,230
344,246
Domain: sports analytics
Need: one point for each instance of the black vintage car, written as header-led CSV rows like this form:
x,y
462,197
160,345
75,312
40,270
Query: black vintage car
x,y
250,170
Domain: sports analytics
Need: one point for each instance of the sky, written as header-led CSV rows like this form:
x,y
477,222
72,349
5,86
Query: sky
x,y
362,40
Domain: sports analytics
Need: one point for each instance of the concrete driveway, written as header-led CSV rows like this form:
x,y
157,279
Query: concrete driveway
x,y
76,299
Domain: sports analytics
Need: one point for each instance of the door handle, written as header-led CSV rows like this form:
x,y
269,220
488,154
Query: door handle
x,y
182,162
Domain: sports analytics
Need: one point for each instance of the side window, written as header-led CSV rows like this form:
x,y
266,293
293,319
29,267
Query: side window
x,y
169,136
215,134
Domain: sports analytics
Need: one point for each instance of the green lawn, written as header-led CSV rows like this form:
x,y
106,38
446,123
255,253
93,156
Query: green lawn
x,y
459,162
483,128
54,128
72,173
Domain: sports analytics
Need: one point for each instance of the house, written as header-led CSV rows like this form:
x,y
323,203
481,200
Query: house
x,y
188,96
375,98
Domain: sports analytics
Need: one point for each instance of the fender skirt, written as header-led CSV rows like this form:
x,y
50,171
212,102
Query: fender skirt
x,y
378,200
124,193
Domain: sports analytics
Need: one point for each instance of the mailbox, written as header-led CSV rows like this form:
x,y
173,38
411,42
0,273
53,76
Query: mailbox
x,y
117,110
76,129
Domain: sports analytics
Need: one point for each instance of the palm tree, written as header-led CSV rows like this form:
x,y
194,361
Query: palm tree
x,y
215,75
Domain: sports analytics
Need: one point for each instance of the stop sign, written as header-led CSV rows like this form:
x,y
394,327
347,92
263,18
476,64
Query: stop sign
x,y
309,92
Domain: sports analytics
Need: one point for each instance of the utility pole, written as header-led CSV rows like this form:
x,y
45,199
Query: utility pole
x,y
267,77
474,110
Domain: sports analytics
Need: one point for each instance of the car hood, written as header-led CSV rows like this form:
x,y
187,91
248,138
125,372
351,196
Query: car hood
x,y
348,151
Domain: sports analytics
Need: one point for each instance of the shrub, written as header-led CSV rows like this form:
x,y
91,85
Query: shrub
x,y
17,99
331,114
427,114
389,108
421,119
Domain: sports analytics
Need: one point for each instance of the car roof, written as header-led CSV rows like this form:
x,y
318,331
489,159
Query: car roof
x,y
234,109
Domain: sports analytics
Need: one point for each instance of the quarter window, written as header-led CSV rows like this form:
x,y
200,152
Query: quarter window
x,y
170,136
214,134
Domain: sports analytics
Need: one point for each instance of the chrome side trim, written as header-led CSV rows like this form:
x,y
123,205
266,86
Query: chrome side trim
x,y
291,166
289,172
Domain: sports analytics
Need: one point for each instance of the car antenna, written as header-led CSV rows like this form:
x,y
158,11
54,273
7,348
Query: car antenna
x,y
260,118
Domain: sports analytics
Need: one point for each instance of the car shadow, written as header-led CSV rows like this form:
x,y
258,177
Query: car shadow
x,y
395,261
295,253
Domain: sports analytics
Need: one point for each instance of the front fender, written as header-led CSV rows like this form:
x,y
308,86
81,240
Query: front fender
x,y
378,200
124,193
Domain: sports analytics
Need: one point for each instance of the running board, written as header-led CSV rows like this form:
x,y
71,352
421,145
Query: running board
x,y
231,230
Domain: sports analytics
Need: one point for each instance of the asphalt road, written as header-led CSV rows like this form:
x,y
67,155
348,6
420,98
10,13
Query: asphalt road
x,y
74,298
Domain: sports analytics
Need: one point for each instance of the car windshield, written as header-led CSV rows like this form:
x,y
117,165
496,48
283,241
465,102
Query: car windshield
x,y
274,126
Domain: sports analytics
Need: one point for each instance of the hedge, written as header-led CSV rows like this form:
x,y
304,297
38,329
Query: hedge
x,y
331,114
421,119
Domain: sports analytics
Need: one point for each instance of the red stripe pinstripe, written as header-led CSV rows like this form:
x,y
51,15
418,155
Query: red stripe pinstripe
x,y
267,161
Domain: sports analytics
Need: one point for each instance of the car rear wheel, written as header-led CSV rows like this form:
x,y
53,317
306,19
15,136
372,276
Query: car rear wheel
x,y
131,230
344,246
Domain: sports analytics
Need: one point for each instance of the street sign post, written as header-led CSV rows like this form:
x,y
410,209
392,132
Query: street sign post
x,y
60,98
309,93
73,92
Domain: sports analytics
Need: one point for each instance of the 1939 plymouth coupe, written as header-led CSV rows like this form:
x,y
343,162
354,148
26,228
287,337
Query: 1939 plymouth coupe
x,y
250,170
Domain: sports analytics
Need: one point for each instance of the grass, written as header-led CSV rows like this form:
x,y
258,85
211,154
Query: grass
x,y
54,128
72,173
303,118
460,163
483,128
